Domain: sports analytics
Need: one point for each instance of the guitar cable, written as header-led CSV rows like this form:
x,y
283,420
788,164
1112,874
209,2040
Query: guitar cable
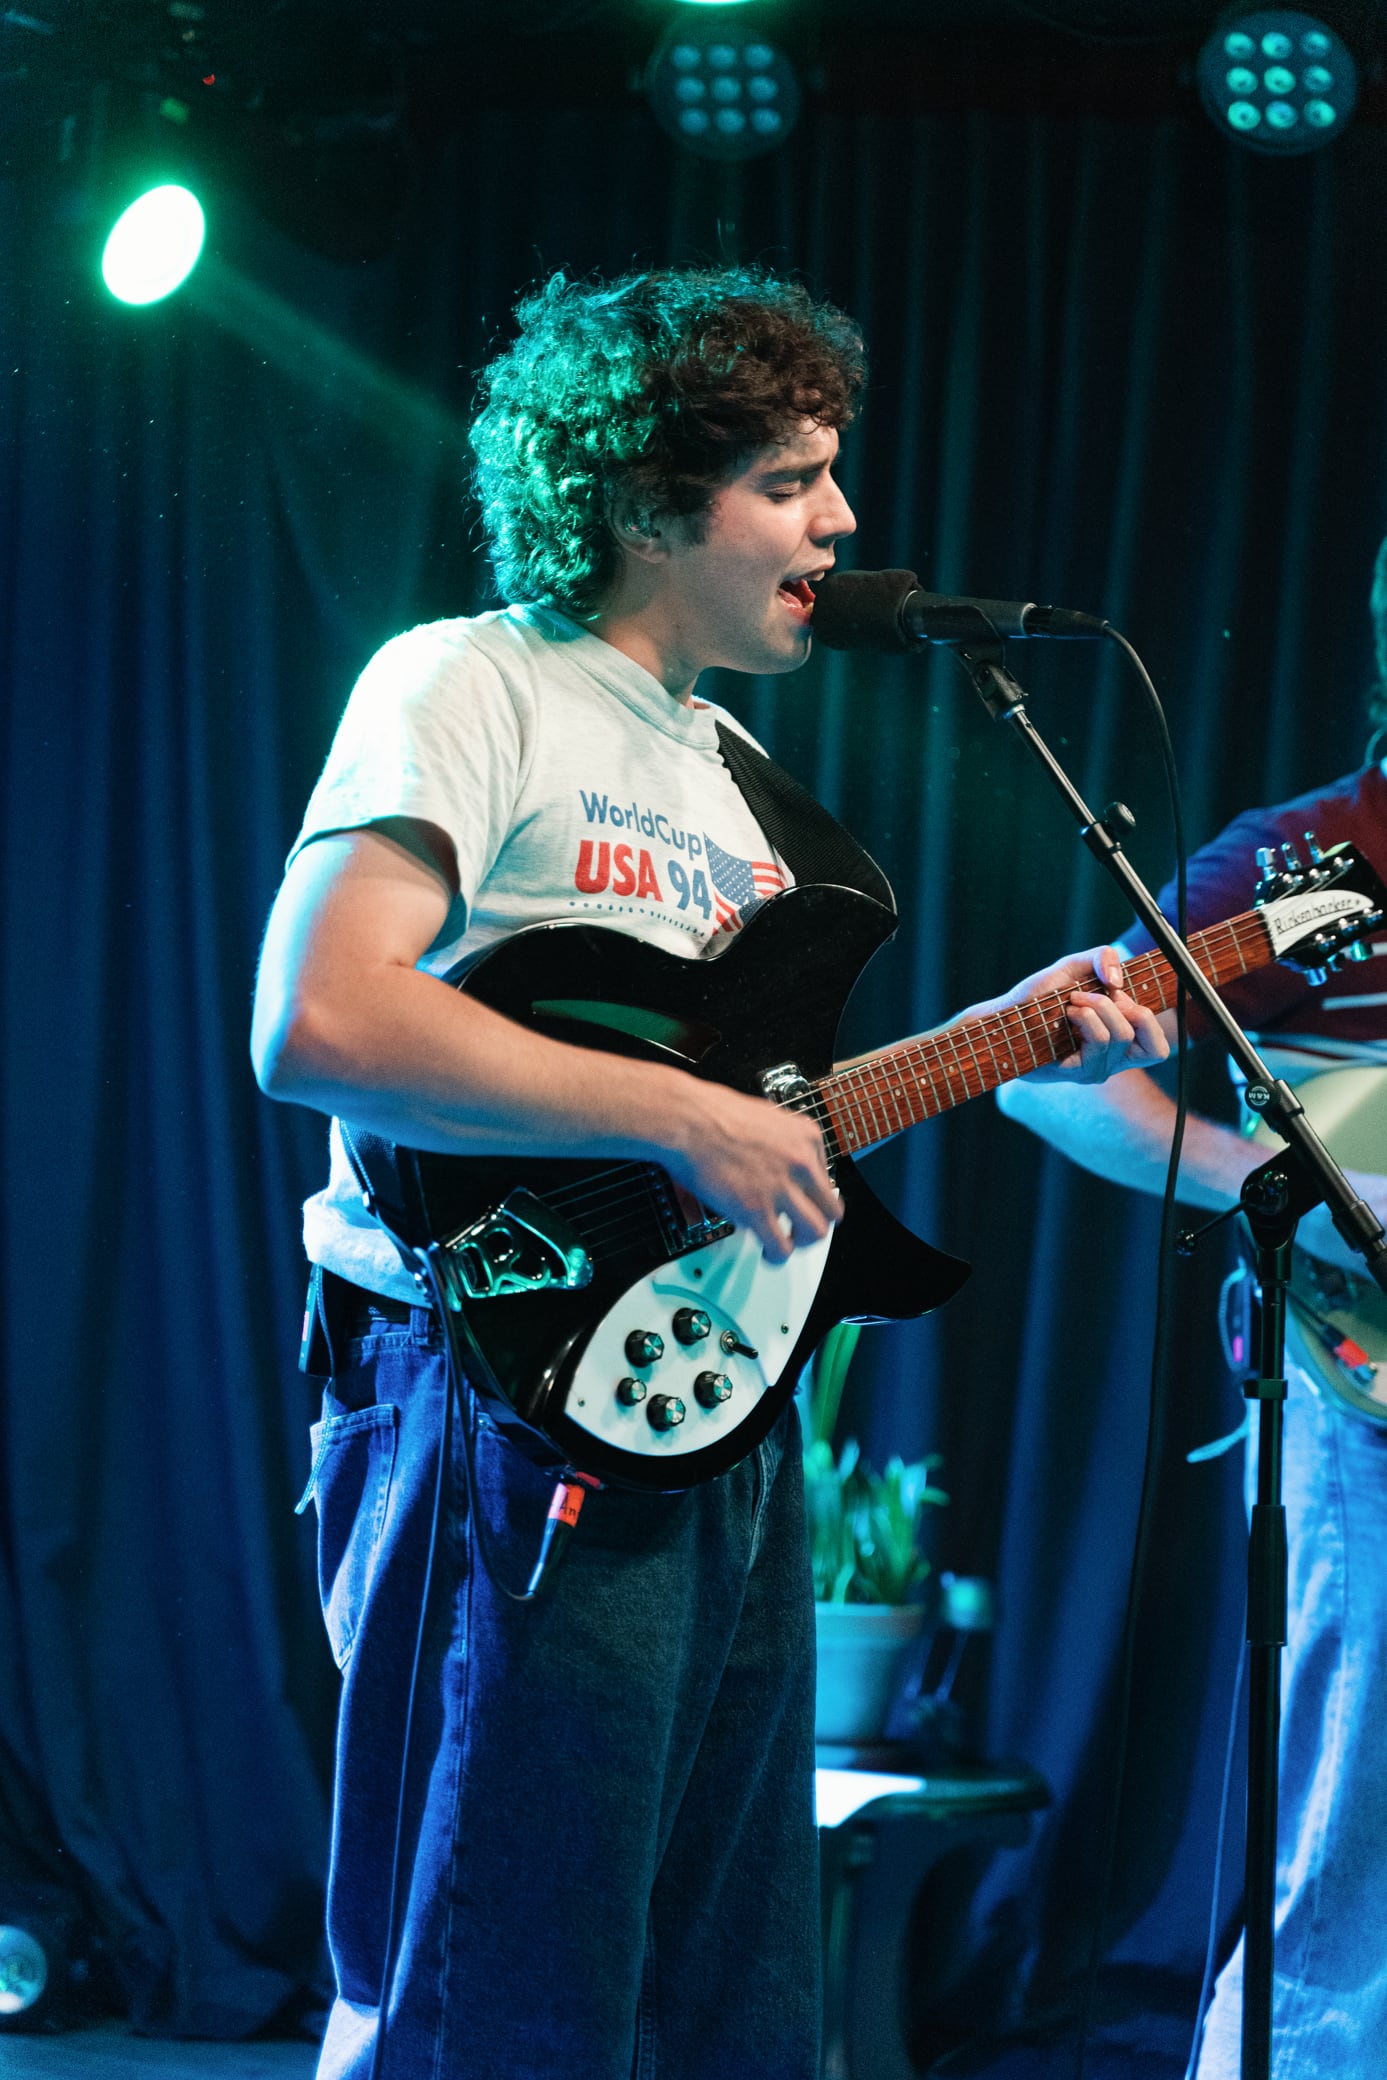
x,y
565,1506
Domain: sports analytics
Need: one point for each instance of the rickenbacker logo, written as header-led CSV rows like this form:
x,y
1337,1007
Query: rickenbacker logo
x,y
1289,918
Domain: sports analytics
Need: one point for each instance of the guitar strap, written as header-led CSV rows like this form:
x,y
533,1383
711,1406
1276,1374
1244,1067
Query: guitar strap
x,y
815,847
813,844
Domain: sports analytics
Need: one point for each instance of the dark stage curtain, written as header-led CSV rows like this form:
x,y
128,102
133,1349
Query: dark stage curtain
x,y
1121,366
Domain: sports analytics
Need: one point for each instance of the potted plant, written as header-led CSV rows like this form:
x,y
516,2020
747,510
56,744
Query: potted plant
x,y
869,1570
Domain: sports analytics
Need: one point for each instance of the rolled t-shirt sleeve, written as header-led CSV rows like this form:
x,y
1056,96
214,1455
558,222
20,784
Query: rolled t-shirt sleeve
x,y
431,733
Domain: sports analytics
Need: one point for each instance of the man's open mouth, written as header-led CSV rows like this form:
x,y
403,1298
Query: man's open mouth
x,y
800,592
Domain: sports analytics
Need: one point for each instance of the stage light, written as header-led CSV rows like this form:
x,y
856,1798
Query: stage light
x,y
23,1971
720,88
154,244
1278,80
52,1969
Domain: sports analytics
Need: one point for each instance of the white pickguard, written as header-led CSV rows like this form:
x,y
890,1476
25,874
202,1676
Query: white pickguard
x,y
764,1305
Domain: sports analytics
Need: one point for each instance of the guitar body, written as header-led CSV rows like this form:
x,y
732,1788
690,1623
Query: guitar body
x,y
550,1362
610,1321
1338,1318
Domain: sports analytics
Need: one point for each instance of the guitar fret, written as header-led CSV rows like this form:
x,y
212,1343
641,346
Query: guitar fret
x,y
861,1134
906,1114
966,1030
875,1112
956,1072
921,1078
1006,1036
858,1132
1037,1054
879,1085
883,1099
920,1059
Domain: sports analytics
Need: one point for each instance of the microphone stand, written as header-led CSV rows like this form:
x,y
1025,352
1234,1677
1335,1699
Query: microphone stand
x,y
1302,1176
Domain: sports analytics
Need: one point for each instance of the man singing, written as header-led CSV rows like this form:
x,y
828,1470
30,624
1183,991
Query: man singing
x,y
607,1844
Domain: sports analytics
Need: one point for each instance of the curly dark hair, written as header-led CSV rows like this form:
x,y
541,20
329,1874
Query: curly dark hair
x,y
642,396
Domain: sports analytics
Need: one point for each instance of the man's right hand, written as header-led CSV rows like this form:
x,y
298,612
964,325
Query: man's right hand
x,y
346,1021
756,1163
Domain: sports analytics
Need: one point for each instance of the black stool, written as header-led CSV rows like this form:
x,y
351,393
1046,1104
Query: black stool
x,y
899,1859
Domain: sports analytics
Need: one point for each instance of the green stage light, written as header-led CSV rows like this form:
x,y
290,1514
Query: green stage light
x,y
154,244
1278,80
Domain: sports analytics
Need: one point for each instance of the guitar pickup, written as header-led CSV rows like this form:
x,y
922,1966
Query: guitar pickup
x,y
786,1084
520,1246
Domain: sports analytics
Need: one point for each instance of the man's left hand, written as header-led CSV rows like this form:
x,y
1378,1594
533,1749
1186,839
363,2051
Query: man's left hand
x,y
1114,1031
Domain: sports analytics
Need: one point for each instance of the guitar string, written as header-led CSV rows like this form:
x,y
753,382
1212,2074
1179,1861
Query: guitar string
x,y
1222,950
861,1106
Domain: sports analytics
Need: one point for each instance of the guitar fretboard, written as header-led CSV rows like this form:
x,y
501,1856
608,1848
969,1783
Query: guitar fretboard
x,y
918,1079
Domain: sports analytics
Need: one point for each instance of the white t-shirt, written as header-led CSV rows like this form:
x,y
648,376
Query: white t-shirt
x,y
571,785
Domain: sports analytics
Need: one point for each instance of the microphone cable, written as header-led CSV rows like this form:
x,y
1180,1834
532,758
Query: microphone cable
x,y
1206,1984
1155,1415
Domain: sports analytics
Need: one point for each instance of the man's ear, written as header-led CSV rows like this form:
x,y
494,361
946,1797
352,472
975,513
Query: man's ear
x,y
638,532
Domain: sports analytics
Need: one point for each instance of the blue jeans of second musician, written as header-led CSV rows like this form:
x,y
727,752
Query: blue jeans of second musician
x,y
609,1865
1329,2002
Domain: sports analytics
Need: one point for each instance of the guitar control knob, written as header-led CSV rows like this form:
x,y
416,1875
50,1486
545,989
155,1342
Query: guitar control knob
x,y
691,1325
729,1341
630,1391
712,1388
665,1411
643,1347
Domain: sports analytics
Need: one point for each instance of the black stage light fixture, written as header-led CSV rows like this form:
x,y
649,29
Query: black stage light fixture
x,y
720,86
1278,80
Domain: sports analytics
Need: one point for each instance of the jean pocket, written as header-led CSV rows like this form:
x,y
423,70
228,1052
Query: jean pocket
x,y
353,1465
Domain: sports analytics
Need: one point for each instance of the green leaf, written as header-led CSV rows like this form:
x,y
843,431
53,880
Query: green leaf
x,y
864,1526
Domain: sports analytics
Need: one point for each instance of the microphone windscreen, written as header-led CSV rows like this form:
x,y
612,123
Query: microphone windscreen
x,y
861,610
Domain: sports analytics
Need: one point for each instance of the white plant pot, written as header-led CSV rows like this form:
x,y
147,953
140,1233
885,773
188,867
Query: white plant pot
x,y
863,1649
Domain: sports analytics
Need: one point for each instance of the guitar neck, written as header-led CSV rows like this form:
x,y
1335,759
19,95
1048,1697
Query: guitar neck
x,y
919,1079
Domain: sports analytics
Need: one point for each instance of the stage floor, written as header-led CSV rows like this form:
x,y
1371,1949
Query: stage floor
x,y
1146,2048
110,2052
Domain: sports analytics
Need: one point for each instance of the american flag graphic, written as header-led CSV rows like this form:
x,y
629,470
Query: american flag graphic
x,y
740,886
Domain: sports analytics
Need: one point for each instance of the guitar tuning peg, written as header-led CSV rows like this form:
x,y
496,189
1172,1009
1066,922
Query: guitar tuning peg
x,y
1313,853
1269,876
1359,951
1291,858
1315,976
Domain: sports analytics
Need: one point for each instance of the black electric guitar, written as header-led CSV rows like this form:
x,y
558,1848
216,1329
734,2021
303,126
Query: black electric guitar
x,y
646,1340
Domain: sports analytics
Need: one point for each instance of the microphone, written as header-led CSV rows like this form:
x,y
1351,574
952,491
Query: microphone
x,y
886,610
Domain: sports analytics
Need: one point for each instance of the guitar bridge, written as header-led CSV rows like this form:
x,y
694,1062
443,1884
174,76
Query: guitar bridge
x,y
520,1246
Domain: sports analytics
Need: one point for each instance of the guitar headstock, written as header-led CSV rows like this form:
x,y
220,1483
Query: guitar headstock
x,y
1320,914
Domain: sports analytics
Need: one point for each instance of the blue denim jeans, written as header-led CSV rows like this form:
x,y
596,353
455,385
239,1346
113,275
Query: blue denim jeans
x,y
1329,1997
609,1861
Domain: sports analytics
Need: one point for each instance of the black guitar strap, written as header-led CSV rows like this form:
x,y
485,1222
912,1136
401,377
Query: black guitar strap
x,y
813,844
815,847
